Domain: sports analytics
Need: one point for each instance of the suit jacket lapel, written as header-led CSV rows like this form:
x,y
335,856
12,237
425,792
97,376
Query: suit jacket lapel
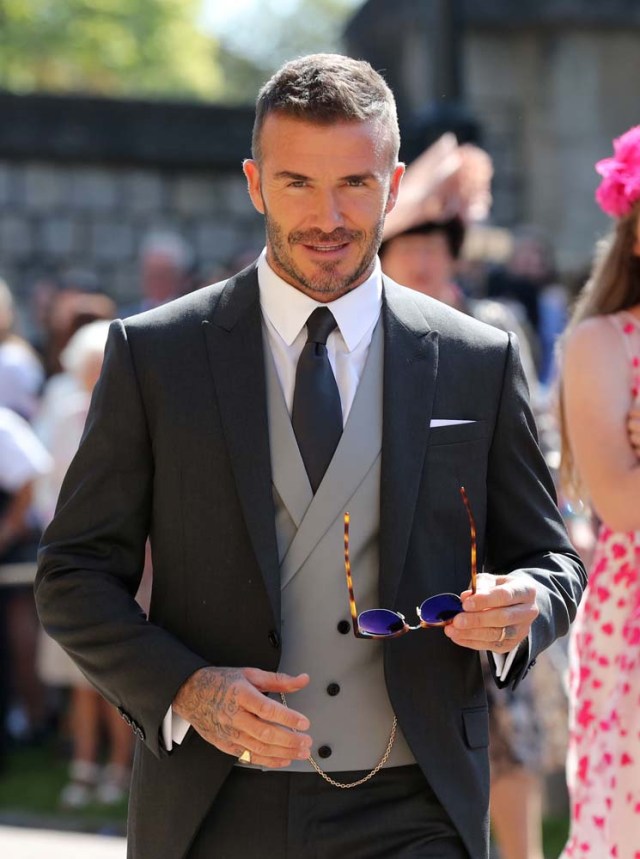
x,y
410,372
234,342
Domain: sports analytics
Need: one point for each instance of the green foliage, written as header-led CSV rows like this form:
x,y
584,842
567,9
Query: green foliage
x,y
253,47
110,47
156,48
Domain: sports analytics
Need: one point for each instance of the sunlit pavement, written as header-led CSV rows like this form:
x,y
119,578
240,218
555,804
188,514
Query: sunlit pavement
x,y
18,843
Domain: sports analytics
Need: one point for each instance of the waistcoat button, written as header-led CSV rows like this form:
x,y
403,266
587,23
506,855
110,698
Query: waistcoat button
x,y
344,626
274,639
325,751
333,689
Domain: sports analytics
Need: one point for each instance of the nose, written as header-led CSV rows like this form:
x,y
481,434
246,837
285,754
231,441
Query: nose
x,y
328,211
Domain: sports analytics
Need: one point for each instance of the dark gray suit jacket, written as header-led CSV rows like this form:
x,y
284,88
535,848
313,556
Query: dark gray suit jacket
x,y
176,446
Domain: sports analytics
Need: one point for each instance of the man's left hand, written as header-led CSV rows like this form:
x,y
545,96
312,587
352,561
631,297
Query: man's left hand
x,y
501,603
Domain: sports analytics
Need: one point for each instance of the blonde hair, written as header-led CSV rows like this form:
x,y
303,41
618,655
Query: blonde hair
x,y
613,285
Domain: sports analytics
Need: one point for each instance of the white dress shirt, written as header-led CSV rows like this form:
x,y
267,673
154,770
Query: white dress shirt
x,y
285,311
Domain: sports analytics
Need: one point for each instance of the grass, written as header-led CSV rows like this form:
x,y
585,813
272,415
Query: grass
x,y
554,836
30,785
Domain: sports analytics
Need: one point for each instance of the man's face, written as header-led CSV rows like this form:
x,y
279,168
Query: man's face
x,y
324,191
421,261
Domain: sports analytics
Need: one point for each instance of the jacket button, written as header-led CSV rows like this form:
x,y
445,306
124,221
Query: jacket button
x,y
274,639
333,689
344,626
325,751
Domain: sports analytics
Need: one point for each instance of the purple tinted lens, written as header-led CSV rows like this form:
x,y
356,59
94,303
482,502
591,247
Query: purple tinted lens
x,y
380,621
440,608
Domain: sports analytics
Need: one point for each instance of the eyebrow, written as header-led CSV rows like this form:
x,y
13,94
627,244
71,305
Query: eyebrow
x,y
297,177
288,174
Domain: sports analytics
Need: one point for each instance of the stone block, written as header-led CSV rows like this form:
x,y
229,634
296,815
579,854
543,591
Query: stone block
x,y
8,176
60,237
194,194
216,240
16,237
144,192
46,187
112,241
95,189
232,197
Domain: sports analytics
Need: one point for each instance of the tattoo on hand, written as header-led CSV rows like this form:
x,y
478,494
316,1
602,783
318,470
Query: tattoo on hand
x,y
213,702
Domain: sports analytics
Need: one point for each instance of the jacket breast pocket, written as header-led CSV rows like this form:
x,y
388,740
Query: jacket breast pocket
x,y
476,727
457,433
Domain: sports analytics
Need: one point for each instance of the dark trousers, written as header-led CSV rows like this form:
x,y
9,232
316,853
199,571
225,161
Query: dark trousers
x,y
276,815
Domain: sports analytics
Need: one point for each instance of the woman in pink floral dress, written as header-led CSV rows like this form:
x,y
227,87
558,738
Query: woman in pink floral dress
x,y
600,386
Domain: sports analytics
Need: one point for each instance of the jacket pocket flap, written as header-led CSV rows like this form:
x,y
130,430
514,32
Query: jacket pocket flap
x,y
476,727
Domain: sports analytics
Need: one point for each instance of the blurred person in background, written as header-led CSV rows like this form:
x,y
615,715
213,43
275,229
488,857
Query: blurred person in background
x,y
90,714
22,460
600,385
166,262
21,373
528,283
79,299
443,192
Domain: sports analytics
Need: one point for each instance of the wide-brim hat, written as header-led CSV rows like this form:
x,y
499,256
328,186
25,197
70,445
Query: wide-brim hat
x,y
447,181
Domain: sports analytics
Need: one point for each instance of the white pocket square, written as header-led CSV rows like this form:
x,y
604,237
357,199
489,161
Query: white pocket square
x,y
443,422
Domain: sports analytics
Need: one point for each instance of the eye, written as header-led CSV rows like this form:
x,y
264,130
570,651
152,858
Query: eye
x,y
355,182
297,183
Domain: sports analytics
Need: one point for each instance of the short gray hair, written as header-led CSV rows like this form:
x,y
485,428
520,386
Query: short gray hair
x,y
170,245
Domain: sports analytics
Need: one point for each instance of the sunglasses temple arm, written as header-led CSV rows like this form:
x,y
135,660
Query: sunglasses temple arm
x,y
347,569
474,543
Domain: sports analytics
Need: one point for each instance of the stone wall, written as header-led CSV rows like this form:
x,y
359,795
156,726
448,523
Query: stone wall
x,y
82,181
551,82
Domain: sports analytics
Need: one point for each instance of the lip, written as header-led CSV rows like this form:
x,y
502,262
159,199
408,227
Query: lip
x,y
327,251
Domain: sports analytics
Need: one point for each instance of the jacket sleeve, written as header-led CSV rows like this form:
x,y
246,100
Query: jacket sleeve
x,y
92,556
522,515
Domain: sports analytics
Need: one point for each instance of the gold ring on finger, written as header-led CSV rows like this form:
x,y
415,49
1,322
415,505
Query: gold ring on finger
x,y
245,757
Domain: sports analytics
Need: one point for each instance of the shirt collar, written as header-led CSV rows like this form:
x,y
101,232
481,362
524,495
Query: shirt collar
x,y
288,309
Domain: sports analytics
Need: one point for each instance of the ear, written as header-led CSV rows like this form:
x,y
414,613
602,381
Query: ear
x,y
252,172
394,187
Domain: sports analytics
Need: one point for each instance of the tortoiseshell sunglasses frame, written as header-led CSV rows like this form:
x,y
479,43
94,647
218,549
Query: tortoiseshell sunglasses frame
x,y
357,631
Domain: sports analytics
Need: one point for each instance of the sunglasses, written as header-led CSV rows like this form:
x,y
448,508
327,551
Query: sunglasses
x,y
435,611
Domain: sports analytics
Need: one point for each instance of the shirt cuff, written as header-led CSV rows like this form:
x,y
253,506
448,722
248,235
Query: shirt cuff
x,y
503,662
174,729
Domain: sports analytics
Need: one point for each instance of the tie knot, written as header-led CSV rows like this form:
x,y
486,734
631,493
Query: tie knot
x,y
320,324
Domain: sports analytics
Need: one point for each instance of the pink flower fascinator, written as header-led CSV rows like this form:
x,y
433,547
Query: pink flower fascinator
x,y
620,186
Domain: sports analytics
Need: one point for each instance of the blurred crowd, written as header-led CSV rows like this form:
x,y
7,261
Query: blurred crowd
x,y
438,240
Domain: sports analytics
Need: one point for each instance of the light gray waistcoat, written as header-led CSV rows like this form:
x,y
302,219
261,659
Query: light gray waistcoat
x,y
356,722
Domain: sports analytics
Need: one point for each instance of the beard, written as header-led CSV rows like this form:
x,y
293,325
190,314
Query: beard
x,y
326,278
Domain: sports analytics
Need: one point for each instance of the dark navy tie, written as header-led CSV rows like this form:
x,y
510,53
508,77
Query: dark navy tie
x,y
317,413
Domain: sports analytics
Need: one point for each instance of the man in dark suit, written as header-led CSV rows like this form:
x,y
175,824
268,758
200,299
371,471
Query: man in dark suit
x,y
235,427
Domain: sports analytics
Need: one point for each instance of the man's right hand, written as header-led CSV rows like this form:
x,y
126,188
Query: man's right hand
x,y
228,708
